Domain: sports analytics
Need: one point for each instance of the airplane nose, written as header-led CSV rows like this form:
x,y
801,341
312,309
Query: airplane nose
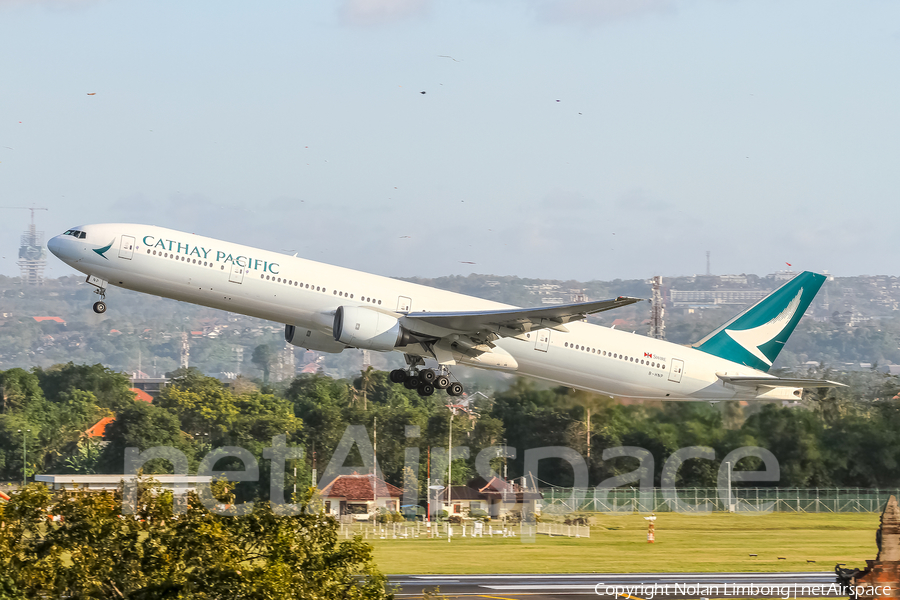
x,y
53,244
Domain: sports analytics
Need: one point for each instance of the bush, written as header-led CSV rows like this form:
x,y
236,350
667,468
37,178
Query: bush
x,y
479,515
258,555
456,519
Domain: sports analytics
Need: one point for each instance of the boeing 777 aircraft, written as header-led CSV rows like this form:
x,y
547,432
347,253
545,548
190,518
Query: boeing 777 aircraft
x,y
328,309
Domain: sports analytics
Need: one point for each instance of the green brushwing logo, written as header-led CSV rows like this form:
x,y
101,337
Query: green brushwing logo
x,y
102,251
756,336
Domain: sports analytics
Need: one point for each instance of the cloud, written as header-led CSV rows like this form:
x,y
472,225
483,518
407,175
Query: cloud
x,y
592,12
380,12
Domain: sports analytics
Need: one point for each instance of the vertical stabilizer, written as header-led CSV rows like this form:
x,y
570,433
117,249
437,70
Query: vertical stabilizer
x,y
756,336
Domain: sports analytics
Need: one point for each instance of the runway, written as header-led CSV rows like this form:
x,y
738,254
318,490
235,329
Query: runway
x,y
615,586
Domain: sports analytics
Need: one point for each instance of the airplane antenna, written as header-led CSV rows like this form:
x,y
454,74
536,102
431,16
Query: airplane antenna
x,y
32,254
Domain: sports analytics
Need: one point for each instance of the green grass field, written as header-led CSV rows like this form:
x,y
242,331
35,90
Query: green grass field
x,y
719,542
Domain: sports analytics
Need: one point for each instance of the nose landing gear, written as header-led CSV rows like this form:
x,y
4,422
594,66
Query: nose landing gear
x,y
425,381
100,284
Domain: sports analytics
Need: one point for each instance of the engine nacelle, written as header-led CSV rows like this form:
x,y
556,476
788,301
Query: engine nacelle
x,y
311,339
369,329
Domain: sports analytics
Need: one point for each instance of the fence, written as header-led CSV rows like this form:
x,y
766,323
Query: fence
x,y
800,500
418,529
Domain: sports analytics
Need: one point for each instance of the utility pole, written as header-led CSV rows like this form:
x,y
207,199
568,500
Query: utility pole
x,y
587,410
24,456
449,476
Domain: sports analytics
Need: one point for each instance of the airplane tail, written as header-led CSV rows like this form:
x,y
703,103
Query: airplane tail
x,y
756,336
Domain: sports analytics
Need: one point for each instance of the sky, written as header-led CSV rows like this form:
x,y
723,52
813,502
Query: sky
x,y
557,139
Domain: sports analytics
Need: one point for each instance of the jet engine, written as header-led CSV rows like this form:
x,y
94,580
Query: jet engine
x,y
369,329
312,339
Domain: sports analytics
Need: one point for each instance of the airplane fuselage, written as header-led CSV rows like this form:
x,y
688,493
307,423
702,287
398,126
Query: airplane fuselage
x,y
305,294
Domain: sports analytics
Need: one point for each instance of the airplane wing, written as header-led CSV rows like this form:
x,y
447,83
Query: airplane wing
x,y
473,333
750,381
518,320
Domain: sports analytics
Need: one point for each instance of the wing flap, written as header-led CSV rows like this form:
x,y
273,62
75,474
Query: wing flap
x,y
751,381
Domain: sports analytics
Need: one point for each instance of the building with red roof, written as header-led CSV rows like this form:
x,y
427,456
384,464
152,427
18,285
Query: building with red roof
x,y
141,395
54,319
99,428
360,495
495,497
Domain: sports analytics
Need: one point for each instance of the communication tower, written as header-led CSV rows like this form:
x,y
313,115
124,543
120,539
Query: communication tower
x,y
32,254
185,350
657,310
708,272
289,362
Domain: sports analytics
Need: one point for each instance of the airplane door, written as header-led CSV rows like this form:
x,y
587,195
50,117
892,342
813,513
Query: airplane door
x,y
542,340
676,370
404,304
126,247
237,273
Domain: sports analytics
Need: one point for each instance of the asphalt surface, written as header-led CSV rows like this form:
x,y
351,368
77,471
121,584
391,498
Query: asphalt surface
x,y
616,586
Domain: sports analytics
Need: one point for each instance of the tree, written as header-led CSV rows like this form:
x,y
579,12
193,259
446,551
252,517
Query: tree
x,y
266,358
143,426
94,553
18,388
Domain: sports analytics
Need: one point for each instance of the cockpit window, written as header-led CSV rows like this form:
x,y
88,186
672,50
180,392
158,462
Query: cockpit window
x,y
75,233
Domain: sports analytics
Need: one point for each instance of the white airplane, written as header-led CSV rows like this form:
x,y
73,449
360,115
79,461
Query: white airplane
x,y
328,309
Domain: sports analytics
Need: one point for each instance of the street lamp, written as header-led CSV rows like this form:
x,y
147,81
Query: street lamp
x,y
24,455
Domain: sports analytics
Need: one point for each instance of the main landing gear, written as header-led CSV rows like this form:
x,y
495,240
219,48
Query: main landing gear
x,y
425,381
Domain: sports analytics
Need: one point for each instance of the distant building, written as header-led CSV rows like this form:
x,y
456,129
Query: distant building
x,y
714,298
141,395
54,319
360,495
495,497
783,275
179,484
99,429
151,385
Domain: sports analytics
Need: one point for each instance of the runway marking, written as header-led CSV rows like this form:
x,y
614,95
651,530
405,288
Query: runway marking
x,y
630,597
497,597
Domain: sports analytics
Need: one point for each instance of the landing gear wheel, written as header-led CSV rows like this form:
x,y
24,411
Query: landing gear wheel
x,y
99,307
398,376
455,389
442,382
426,389
412,382
427,375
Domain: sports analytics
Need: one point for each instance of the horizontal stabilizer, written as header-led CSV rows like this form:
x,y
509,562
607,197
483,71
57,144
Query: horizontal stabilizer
x,y
749,381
